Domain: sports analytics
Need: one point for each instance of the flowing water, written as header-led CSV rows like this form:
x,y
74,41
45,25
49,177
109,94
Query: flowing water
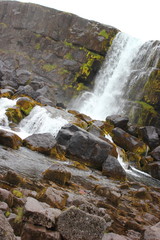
x,y
38,121
125,57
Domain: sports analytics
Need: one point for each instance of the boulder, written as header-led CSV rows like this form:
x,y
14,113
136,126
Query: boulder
x,y
128,142
38,233
77,224
153,232
112,168
6,196
54,197
156,153
57,173
42,142
10,139
14,114
83,146
39,213
154,170
150,136
8,93
6,231
26,104
118,121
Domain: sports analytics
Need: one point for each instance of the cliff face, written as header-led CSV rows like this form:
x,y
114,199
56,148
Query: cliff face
x,y
49,54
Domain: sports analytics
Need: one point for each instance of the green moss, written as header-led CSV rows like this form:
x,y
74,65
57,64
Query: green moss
x,y
145,115
49,67
17,193
104,34
63,71
68,44
68,56
81,87
37,46
14,114
19,217
37,35
86,68
7,214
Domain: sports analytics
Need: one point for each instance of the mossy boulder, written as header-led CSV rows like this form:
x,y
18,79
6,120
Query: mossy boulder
x,y
14,114
26,104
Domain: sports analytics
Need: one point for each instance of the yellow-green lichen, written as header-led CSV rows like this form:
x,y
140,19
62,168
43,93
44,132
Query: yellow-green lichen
x,y
17,193
37,46
104,34
49,67
68,56
81,87
4,25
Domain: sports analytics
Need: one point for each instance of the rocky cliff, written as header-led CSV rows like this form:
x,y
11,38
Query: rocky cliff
x,y
48,54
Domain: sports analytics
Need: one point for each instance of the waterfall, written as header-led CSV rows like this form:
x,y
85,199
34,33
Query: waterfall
x,y
106,97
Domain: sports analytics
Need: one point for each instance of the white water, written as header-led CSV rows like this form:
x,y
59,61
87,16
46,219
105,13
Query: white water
x,y
106,98
38,121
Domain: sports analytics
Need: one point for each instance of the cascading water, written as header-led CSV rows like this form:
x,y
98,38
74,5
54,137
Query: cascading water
x,y
38,121
106,98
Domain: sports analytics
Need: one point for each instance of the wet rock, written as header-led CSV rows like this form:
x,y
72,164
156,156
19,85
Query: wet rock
x,y
15,224
6,196
156,153
112,168
150,136
153,232
114,236
26,104
118,121
128,142
57,173
10,139
76,224
55,198
42,142
38,233
39,213
154,170
6,231
83,146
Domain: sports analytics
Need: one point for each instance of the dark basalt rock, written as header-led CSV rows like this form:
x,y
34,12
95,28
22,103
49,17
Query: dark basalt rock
x,y
42,142
128,142
83,146
118,121
10,139
150,136
112,168
156,153
154,170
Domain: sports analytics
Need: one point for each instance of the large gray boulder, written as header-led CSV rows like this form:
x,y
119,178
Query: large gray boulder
x,y
83,146
76,224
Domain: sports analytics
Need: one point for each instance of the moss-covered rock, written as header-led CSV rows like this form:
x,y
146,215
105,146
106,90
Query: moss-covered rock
x,y
26,104
14,114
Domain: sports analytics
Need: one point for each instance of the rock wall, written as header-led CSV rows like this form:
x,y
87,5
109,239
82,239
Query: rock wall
x,y
48,54
143,89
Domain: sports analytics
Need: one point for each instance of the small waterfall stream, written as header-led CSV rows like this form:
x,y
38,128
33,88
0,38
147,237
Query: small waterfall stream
x,y
38,121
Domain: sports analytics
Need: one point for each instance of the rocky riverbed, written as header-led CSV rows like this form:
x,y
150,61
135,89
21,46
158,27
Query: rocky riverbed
x,y
72,186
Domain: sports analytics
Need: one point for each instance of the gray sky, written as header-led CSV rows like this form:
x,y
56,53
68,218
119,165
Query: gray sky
x,y
139,18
